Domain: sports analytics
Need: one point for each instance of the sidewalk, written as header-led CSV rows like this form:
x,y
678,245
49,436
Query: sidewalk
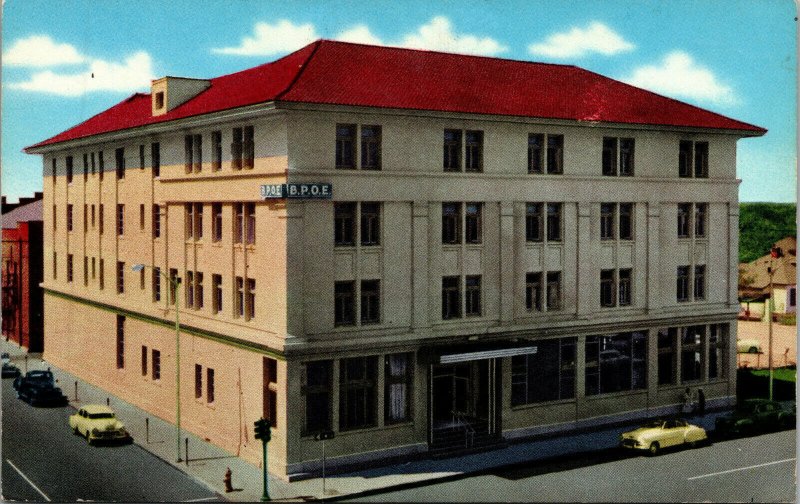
x,y
208,463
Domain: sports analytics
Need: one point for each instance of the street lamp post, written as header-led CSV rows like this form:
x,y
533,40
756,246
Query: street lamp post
x,y
174,284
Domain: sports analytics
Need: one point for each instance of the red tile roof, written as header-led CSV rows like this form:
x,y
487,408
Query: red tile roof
x,y
341,73
25,213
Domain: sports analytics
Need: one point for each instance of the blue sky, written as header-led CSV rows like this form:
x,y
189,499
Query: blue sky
x,y
735,57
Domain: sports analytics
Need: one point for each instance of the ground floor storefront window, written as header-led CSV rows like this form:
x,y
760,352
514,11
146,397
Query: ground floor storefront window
x,y
616,363
547,375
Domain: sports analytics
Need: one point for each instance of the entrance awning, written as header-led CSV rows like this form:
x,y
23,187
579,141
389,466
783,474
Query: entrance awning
x,y
486,354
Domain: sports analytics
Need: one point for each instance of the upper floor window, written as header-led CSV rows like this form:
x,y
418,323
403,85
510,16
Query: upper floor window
x,y
616,221
683,283
250,223
473,296
452,150
141,157
344,298
155,158
120,220
554,221
100,165
370,147
700,219
345,146
684,224
618,156
156,221
345,229
119,156
69,217
85,166
451,297
370,223
452,225
344,224
474,151
473,222
216,222
216,150
193,153
370,301
615,287
693,159
243,148
69,169
689,226
534,223
545,152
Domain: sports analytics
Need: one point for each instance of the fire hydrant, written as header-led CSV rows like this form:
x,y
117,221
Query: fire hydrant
x,y
227,481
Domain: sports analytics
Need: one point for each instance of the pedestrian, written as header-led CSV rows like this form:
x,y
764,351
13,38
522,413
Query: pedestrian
x,y
687,401
701,402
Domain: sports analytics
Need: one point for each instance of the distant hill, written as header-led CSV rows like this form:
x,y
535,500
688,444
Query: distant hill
x,y
761,225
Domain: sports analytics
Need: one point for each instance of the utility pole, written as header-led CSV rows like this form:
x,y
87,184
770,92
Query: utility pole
x,y
775,253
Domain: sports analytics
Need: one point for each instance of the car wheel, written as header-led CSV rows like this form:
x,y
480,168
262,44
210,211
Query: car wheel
x,y
654,449
75,431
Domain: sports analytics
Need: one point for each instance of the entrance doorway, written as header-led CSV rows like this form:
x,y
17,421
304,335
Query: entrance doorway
x,y
463,404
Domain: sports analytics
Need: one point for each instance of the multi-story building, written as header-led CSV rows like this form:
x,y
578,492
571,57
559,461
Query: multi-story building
x,y
463,250
23,299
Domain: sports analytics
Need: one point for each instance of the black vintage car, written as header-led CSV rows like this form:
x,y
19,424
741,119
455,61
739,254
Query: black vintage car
x,y
753,416
10,370
38,388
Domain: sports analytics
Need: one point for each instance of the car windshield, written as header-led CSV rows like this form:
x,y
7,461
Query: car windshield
x,y
94,416
40,376
653,424
747,407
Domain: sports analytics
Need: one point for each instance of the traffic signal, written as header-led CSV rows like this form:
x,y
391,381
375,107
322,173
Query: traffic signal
x,y
262,430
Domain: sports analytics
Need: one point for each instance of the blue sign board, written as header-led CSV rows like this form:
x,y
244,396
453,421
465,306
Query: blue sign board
x,y
296,191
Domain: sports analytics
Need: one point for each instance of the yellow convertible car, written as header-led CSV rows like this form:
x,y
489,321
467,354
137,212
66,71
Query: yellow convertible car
x,y
659,434
98,423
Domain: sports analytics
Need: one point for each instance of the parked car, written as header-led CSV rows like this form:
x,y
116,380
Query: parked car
x,y
748,346
38,388
656,435
752,416
10,370
96,423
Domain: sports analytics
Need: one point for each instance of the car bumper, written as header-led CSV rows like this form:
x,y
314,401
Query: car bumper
x,y
632,444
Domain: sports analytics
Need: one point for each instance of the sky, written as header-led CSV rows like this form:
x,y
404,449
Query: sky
x,y
65,61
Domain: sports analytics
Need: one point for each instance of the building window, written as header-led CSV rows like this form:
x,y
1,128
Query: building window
x,y
607,288
55,265
156,364
156,285
398,380
451,223
141,217
250,224
85,271
198,381
473,222
701,159
69,217
344,294
94,268
69,170
344,224
194,221
160,100
174,281
144,360
553,290
792,297
626,221
193,153
345,146
189,289
667,343
693,155
120,341
155,158
85,167
100,218
474,151
69,268
554,221
533,291
452,150
700,219
249,147
120,277
251,299
533,222
547,375
100,165
198,290
607,218
357,392
238,222
156,221
141,279
473,296
535,152
683,284
119,156
270,406
209,385
717,343
216,150
684,224
618,156
120,220
555,154
316,387
93,165
239,308
141,157
85,218
625,276
370,147
692,353
94,216
370,224
216,222
216,280
699,282
370,301
102,280
451,297
616,363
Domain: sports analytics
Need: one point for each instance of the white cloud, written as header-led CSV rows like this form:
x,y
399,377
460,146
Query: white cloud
x,y
577,42
679,75
41,51
436,35
267,39
134,74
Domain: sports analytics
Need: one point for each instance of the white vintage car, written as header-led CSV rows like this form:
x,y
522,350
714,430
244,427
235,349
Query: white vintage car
x,y
98,423
659,434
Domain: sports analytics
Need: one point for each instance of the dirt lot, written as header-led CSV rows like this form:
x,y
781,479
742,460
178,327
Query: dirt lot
x,y
784,342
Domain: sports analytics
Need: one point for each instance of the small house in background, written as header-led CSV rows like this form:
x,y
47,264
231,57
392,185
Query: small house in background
x,y
754,282
23,301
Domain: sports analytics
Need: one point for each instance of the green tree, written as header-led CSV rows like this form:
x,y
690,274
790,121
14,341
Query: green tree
x,y
761,225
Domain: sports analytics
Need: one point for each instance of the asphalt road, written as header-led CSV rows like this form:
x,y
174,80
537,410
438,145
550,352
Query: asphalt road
x,y
754,469
43,461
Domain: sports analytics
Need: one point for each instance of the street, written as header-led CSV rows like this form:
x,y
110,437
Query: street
x,y
43,461
754,469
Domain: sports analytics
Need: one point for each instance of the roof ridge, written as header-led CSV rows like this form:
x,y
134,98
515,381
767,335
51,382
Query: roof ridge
x,y
303,67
